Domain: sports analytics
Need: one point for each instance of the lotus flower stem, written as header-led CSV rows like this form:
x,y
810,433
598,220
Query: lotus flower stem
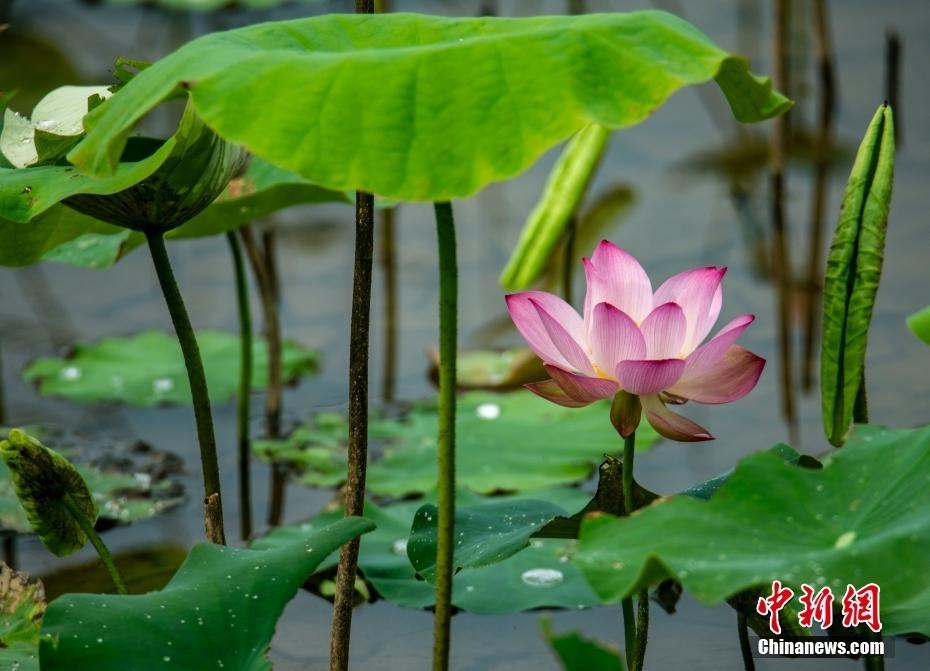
x,y
358,428
196,377
245,387
448,309
636,629
88,528
745,646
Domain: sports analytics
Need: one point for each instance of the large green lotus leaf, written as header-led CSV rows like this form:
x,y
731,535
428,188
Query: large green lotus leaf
x,y
147,369
28,192
506,442
486,533
416,107
219,611
854,269
127,483
62,234
577,653
835,526
22,604
525,581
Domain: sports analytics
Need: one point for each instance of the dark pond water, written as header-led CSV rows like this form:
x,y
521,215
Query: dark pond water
x,y
687,211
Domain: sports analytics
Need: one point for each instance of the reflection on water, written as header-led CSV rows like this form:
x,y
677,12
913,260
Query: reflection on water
x,y
693,205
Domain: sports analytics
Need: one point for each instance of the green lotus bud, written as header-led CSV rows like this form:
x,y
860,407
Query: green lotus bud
x,y
194,174
51,491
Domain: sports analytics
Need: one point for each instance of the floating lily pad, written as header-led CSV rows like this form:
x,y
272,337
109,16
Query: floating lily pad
x,y
22,605
834,526
147,369
505,442
537,576
127,484
219,610
317,450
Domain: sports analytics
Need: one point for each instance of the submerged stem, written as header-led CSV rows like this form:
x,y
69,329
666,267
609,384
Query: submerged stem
x,y
744,644
195,376
448,315
88,528
358,428
245,387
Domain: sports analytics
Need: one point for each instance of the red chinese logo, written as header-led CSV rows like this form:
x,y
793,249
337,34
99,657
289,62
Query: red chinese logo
x,y
859,606
773,604
818,607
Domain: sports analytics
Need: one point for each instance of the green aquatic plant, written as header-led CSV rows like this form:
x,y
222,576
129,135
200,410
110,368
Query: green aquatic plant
x,y
775,521
57,501
560,199
160,185
218,611
147,369
853,272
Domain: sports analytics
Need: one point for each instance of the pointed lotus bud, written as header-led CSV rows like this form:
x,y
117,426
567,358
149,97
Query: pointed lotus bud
x,y
197,170
51,491
625,413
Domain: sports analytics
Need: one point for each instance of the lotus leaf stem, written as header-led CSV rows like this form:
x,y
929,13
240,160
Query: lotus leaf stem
x,y
744,645
196,378
358,428
445,500
87,527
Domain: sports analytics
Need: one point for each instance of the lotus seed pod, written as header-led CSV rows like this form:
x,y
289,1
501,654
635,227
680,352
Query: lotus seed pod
x,y
51,491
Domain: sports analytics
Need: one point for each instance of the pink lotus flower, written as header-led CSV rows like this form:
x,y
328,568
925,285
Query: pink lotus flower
x,y
631,339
